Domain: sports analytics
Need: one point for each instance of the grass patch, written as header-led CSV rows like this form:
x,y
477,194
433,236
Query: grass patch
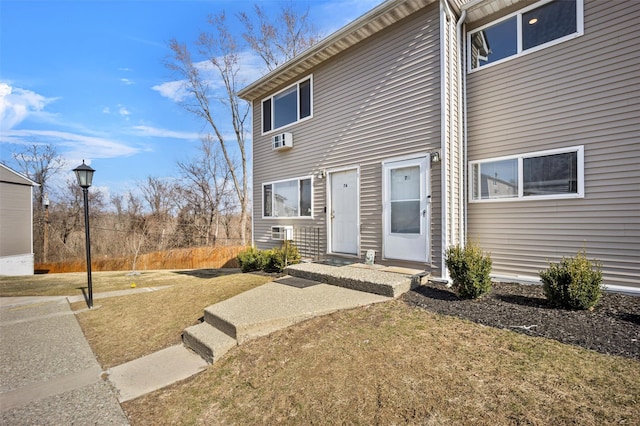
x,y
121,329
390,363
72,284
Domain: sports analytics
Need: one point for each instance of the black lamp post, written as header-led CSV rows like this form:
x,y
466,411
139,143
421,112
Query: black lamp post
x,y
84,174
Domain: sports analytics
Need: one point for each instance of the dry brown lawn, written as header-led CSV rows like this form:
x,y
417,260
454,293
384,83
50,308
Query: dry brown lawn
x,y
121,329
394,364
389,363
73,283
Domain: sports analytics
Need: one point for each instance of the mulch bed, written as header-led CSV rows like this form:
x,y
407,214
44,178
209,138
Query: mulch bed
x,y
612,327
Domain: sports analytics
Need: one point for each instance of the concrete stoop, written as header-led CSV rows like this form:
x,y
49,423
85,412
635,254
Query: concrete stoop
x,y
310,290
376,279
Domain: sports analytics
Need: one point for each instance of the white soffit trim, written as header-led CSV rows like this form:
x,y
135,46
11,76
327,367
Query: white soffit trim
x,y
478,9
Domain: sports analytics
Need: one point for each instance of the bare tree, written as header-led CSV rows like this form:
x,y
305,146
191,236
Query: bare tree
x,y
221,51
205,182
39,163
159,195
276,40
67,221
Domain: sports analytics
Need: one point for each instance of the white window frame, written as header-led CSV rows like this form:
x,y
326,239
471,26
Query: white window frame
x,y
579,32
579,150
272,99
298,179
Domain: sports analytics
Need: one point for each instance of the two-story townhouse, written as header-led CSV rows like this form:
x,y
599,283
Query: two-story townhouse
x,y
424,123
554,108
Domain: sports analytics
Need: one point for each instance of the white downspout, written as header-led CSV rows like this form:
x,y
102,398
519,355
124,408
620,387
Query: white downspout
x,y
443,139
449,187
462,131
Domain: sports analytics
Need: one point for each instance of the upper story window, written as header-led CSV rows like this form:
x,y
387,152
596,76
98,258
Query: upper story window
x,y
541,25
287,106
556,173
288,198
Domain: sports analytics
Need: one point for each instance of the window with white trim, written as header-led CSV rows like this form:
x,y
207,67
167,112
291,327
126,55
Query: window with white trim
x,y
288,106
538,26
557,173
287,198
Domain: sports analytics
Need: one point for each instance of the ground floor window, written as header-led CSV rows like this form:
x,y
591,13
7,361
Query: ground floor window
x,y
555,173
287,198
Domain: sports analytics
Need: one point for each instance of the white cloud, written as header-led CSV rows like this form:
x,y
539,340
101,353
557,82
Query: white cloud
x,y
73,145
174,90
17,104
127,82
165,133
251,68
106,110
123,111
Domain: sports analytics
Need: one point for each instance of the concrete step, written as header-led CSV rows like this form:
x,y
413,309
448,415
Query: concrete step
x,y
207,341
376,279
277,305
268,308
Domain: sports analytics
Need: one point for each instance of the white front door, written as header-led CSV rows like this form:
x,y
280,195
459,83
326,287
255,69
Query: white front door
x,y
343,186
406,209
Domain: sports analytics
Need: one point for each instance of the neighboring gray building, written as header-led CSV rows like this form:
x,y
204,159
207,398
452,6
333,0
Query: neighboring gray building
x,y
424,123
16,223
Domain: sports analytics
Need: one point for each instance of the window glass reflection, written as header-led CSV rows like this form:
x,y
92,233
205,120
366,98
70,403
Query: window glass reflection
x,y
548,22
497,42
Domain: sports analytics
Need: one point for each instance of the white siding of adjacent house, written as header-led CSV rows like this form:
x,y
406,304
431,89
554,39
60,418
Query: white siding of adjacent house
x,y
378,100
582,92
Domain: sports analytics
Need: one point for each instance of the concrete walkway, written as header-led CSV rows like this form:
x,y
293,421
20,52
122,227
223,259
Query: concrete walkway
x,y
49,375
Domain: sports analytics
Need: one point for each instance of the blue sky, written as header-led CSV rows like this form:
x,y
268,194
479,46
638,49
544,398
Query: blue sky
x,y
88,77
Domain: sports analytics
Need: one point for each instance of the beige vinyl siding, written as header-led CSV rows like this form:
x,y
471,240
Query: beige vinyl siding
x,y
377,100
15,219
585,91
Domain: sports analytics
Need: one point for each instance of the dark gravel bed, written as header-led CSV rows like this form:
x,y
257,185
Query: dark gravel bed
x,y
612,327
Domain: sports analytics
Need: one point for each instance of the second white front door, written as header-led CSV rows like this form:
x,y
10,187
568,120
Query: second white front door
x,y
406,209
343,215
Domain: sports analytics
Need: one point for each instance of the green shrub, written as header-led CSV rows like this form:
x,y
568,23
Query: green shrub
x,y
277,259
273,260
574,283
251,259
469,268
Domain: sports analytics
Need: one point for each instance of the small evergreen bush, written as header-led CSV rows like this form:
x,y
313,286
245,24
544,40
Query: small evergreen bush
x,y
273,260
251,259
574,283
279,258
469,268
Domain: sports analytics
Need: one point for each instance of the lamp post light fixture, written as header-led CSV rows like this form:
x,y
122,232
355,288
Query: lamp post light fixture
x,y
84,174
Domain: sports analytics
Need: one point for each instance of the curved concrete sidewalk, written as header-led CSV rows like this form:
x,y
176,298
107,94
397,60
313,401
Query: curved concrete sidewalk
x,y
48,373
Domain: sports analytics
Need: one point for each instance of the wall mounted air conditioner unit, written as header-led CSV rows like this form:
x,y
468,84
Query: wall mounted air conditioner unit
x,y
282,141
282,233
